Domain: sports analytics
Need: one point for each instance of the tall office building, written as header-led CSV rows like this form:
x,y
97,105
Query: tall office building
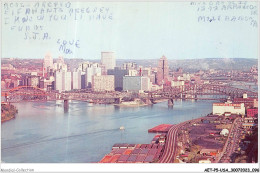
x,y
90,71
136,83
47,64
118,74
58,81
62,80
84,65
108,59
48,61
67,80
76,78
163,71
60,64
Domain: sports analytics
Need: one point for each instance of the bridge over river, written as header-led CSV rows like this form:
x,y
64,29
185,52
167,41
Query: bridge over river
x,y
202,91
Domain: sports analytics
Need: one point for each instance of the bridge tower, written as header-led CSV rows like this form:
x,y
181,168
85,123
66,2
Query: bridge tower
x,y
196,97
66,104
118,100
170,102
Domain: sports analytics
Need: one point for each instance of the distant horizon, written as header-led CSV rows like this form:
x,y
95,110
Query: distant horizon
x,y
129,59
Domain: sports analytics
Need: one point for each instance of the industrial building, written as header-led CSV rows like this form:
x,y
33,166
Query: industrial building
x,y
232,108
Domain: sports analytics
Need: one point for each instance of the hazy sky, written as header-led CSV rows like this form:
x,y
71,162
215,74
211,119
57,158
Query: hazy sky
x,y
135,30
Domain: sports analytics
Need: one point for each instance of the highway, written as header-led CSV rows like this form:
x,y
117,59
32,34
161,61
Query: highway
x,y
170,145
170,149
232,142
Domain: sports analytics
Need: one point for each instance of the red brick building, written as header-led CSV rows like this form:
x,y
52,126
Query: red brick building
x,y
249,102
252,112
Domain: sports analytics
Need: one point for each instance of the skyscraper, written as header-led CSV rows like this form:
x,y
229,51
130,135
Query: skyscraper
x,y
108,60
119,74
62,80
90,71
48,61
58,81
47,64
76,77
136,83
162,71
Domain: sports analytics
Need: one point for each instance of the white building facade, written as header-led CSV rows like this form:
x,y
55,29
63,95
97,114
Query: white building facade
x,y
76,78
136,83
222,108
62,80
108,59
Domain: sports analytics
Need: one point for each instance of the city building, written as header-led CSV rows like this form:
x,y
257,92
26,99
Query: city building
x,y
67,80
145,71
76,80
136,83
62,80
129,66
60,64
84,65
162,71
108,59
48,84
118,74
33,81
103,83
47,64
231,108
252,112
146,83
58,81
48,61
132,72
177,83
132,83
90,71
249,102
83,82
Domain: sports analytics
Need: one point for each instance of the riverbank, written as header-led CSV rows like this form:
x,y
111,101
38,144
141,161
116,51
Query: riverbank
x,y
143,153
8,112
7,119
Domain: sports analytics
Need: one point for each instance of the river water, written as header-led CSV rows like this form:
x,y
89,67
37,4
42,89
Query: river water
x,y
43,132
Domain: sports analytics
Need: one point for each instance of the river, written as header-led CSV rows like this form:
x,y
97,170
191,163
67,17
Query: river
x,y
43,132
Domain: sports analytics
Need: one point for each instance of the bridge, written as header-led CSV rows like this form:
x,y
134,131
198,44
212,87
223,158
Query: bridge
x,y
202,91
21,93
24,93
194,91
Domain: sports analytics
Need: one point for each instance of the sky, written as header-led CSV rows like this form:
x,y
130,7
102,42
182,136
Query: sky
x,y
133,30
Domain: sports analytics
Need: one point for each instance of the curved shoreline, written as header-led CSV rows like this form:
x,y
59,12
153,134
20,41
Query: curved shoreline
x,y
7,119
